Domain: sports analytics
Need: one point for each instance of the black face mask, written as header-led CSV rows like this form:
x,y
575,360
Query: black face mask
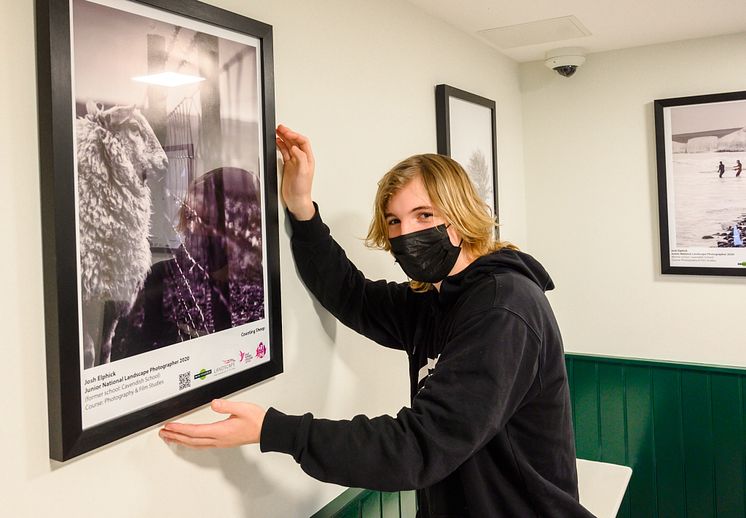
x,y
426,255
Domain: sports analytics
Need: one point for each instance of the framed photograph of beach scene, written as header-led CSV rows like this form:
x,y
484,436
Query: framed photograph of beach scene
x,y
467,132
701,149
159,212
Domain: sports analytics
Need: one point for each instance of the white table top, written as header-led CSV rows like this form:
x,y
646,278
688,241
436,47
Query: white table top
x,y
602,486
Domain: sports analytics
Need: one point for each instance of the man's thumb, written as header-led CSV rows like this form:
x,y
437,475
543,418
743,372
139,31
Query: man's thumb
x,y
223,406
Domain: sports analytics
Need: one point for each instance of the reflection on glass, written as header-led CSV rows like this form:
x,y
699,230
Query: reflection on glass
x,y
213,280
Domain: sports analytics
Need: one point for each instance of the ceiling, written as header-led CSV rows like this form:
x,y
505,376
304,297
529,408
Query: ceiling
x,y
611,24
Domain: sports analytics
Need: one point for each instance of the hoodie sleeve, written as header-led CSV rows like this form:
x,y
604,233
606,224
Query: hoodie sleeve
x,y
485,371
382,311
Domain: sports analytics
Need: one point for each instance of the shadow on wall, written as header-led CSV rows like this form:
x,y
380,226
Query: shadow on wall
x,y
247,480
360,357
328,322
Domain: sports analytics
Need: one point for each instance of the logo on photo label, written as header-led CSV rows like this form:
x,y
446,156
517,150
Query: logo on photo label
x,y
244,357
227,365
261,350
202,374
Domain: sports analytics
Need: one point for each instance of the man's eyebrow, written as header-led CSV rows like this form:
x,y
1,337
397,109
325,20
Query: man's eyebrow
x,y
422,207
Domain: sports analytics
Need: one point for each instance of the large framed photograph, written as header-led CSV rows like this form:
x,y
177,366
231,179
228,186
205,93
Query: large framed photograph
x,y
159,212
467,132
701,149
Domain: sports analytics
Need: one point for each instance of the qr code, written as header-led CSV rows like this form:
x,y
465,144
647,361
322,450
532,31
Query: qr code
x,y
185,380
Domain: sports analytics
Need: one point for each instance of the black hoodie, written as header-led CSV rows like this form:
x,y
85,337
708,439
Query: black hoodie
x,y
489,431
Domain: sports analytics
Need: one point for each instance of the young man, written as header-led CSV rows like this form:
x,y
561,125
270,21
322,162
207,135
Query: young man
x,y
489,429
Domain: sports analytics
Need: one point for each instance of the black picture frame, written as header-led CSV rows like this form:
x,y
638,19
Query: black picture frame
x,y
68,437
700,149
476,115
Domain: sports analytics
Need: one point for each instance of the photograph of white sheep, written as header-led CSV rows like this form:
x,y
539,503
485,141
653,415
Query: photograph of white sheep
x,y
166,181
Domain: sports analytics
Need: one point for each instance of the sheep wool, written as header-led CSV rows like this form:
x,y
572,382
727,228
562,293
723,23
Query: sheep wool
x,y
116,150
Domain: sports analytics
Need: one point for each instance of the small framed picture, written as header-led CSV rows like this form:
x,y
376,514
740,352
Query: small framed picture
x,y
701,149
467,132
159,212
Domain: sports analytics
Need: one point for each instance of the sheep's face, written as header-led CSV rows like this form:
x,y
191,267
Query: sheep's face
x,y
141,144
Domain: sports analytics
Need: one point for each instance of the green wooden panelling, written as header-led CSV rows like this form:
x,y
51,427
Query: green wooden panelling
x,y
612,418
640,444
726,424
586,410
339,504
371,505
613,438
699,466
351,511
390,505
743,428
680,427
668,440
684,433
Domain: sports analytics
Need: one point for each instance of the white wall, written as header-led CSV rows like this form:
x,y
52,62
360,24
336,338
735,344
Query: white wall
x,y
356,76
592,203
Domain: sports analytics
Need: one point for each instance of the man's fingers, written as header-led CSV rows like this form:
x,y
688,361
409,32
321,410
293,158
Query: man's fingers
x,y
289,150
288,134
283,149
172,437
298,154
203,431
295,138
305,144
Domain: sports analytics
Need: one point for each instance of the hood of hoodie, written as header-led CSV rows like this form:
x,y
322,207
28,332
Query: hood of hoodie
x,y
502,261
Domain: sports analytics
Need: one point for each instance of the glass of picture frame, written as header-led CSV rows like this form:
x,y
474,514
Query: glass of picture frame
x,y
159,212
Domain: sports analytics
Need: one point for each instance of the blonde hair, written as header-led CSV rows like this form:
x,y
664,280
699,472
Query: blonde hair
x,y
451,191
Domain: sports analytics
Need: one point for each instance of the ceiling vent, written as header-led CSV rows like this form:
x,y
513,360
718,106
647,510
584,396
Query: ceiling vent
x,y
535,33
